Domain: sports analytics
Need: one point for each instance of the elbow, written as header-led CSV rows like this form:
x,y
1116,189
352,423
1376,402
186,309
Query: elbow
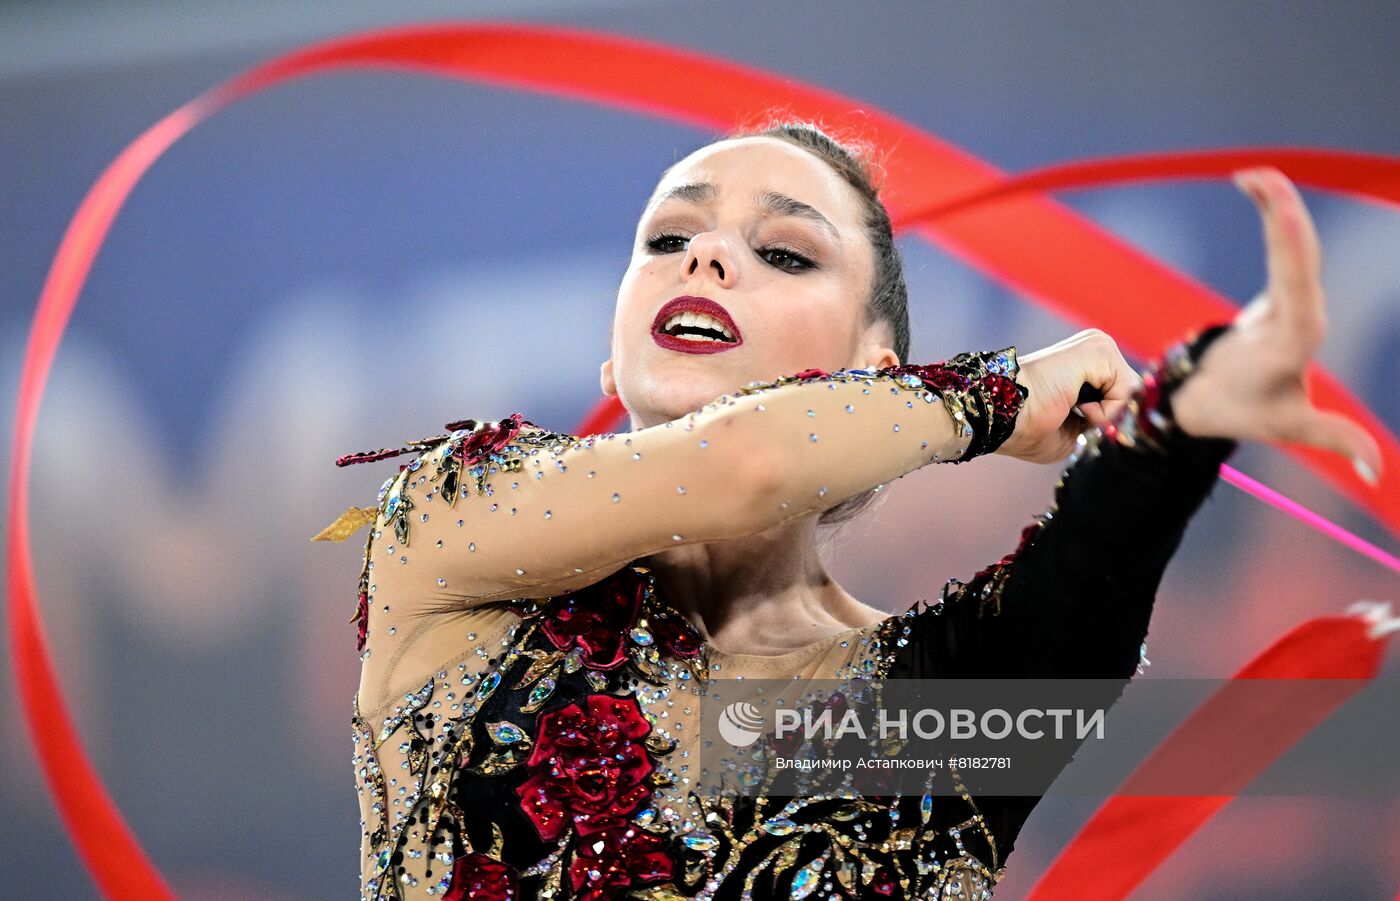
x,y
732,471
755,483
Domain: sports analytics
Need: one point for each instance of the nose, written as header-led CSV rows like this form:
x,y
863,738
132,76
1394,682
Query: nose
x,y
709,254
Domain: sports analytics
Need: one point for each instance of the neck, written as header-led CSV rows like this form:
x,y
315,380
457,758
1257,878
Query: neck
x,y
766,593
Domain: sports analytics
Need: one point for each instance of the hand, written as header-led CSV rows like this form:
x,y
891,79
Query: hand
x,y
1250,383
1049,420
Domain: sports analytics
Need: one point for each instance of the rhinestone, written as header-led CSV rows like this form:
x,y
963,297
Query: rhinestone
x,y
505,733
488,686
808,878
700,841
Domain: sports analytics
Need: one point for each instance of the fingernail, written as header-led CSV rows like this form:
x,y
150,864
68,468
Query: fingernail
x,y
1364,470
1248,182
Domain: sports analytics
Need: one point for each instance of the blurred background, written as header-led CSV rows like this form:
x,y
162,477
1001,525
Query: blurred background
x,y
351,260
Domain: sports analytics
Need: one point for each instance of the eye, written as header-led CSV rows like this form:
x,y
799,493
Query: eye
x,y
663,244
785,259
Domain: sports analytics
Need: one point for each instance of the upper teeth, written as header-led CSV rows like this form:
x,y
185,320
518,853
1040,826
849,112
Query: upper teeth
x,y
699,320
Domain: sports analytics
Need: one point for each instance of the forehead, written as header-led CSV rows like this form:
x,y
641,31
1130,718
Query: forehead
x,y
742,168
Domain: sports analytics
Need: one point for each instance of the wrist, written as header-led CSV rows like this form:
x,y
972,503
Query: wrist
x,y
982,394
1168,406
1188,403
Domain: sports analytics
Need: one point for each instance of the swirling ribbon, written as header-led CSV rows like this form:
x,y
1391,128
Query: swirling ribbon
x,y
1131,834
1002,227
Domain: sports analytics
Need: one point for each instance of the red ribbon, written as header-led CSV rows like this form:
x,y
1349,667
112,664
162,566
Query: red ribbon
x,y
1131,834
1025,241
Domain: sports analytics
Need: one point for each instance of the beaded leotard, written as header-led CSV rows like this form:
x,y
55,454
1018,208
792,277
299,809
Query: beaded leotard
x,y
527,720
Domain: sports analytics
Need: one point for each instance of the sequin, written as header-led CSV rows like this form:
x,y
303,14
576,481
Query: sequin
x,y
415,788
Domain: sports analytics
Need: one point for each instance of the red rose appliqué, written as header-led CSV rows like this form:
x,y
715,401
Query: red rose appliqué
x,y
589,767
597,619
614,859
478,875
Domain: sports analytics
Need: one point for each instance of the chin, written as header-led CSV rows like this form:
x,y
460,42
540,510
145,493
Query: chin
x,y
663,399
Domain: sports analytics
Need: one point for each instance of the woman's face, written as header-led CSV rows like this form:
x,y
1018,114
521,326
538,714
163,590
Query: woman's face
x,y
754,242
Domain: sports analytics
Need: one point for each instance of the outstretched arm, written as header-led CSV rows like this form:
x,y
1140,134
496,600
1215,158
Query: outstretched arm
x,y
549,513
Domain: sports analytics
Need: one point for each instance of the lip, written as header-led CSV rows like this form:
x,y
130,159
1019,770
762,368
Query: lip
x,y
694,305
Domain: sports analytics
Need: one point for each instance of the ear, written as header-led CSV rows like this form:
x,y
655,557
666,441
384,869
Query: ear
x,y
883,357
605,378
876,352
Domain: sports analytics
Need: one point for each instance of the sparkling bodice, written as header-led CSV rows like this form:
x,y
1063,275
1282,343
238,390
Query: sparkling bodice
x,y
478,756
527,718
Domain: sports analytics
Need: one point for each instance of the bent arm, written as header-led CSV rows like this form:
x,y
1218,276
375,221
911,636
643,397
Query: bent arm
x,y
1073,600
574,510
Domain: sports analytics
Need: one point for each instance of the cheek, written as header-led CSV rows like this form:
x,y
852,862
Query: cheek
x,y
632,298
815,324
633,312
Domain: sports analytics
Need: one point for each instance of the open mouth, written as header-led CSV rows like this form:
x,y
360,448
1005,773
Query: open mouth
x,y
695,324
697,327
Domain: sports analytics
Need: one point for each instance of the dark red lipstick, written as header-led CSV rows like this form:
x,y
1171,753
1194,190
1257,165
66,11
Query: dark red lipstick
x,y
699,344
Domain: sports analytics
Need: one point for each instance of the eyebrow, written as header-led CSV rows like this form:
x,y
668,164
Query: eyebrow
x,y
704,193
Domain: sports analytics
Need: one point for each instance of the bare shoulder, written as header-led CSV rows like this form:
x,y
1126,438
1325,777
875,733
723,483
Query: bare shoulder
x,y
866,615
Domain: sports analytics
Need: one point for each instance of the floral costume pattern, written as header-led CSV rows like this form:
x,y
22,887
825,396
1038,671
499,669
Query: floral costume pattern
x,y
556,756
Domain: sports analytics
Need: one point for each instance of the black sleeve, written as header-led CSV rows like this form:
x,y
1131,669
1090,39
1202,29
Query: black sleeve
x,y
1073,600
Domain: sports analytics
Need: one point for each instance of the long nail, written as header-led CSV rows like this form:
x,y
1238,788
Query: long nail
x,y
1364,470
1248,182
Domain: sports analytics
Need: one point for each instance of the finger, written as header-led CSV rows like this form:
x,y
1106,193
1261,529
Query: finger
x,y
1094,413
1294,254
1338,433
1103,367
